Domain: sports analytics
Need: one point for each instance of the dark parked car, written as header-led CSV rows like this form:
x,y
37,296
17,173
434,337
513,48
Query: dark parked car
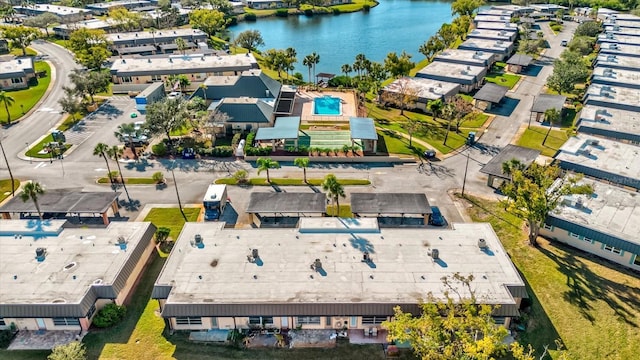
x,y
188,153
429,154
436,217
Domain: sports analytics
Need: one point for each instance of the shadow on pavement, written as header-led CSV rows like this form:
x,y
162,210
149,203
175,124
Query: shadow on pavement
x,y
505,107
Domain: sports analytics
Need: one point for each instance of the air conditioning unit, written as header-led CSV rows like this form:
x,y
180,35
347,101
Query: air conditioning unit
x,y
482,243
594,142
340,323
435,254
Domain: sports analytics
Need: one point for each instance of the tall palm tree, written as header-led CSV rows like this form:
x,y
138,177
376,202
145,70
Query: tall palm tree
x,y
552,116
101,150
304,164
13,183
115,152
315,59
334,190
127,133
8,101
264,164
31,191
308,62
182,45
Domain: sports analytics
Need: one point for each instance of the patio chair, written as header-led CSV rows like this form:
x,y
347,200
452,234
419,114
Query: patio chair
x,y
366,332
371,331
374,332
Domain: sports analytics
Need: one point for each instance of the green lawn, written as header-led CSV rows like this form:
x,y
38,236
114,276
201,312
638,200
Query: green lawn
x,y
5,188
129,181
18,52
171,218
345,211
508,80
592,305
27,97
475,120
532,138
392,143
291,182
35,149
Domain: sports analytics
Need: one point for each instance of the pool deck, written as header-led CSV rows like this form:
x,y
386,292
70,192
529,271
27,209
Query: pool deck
x,y
305,108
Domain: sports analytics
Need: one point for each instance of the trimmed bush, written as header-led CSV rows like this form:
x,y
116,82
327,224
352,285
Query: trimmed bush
x,y
308,12
109,315
159,149
250,16
282,12
335,11
556,28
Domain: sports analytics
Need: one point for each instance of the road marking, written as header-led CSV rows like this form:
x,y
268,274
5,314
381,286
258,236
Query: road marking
x,y
99,169
40,165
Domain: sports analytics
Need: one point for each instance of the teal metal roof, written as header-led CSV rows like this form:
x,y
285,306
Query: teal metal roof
x,y
362,128
284,128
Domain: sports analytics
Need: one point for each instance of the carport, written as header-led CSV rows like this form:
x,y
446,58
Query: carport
x,y
285,128
67,202
287,208
519,62
364,130
490,95
544,102
386,207
493,168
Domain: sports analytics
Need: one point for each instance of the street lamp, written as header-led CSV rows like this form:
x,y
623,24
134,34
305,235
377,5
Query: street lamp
x,y
27,152
464,180
13,184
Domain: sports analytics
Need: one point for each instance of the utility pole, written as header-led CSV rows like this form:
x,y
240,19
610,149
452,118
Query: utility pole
x,y
13,184
175,184
464,181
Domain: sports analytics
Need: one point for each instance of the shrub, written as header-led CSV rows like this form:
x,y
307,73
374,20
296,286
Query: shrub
x,y
222,151
335,11
589,28
340,81
282,12
241,176
250,16
162,234
109,315
236,139
556,28
115,176
159,149
158,177
6,336
249,143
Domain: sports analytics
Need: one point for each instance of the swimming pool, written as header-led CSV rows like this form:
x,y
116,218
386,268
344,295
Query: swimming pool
x,y
327,105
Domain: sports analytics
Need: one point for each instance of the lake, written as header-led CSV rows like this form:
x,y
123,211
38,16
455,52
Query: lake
x,y
393,25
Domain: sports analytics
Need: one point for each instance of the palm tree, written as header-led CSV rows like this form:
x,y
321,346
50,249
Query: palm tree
x,y
8,101
115,152
308,62
31,191
346,69
182,45
334,190
101,150
315,59
304,164
13,183
127,133
435,106
266,164
552,116
204,88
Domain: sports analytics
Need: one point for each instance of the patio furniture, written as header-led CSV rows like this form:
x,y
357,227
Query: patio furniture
x,y
374,332
371,331
366,332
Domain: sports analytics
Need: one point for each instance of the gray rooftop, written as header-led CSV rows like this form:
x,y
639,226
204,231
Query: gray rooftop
x,y
251,83
403,273
390,203
245,110
177,64
64,201
615,96
362,128
501,19
479,58
16,67
623,24
610,210
461,74
158,35
426,88
287,203
525,155
617,61
491,34
618,30
619,49
46,289
284,128
616,77
603,120
612,159
491,92
618,39
544,102
520,59
486,45
497,26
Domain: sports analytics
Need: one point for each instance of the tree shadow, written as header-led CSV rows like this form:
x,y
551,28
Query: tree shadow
x,y
361,244
140,165
133,205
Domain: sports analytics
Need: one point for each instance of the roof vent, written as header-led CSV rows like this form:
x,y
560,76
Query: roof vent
x,y
366,257
594,142
59,301
198,241
136,34
317,265
579,202
19,61
41,254
482,243
124,61
149,61
170,60
97,282
435,254
70,266
254,256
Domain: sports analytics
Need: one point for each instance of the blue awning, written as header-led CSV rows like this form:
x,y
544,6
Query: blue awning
x,y
363,128
284,128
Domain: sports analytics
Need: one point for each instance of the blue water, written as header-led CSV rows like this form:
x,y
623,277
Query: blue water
x,y
327,105
393,25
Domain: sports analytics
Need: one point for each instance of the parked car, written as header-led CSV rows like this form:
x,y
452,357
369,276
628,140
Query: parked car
x,y
188,153
564,42
429,154
436,217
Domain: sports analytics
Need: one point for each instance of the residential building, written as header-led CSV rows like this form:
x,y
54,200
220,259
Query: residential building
x,y
611,38
469,77
65,30
16,73
629,63
602,159
103,8
512,27
265,4
515,9
466,57
606,223
622,24
615,77
625,17
156,42
492,34
500,19
496,12
611,123
218,278
502,49
57,277
549,9
196,67
619,50
4,46
66,13
612,96
623,31
424,90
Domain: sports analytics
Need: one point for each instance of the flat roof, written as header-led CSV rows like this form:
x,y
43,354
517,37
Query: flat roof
x,y
465,73
610,210
544,102
492,18
520,59
491,34
496,12
622,23
491,92
64,201
619,39
183,63
158,35
362,128
479,57
609,119
16,67
619,77
284,128
619,49
403,272
486,45
108,5
87,24
617,61
615,95
54,9
426,88
496,26
390,203
608,156
94,251
287,202
525,155
626,31
626,17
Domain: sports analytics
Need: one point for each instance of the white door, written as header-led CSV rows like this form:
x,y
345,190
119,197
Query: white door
x,y
41,324
284,322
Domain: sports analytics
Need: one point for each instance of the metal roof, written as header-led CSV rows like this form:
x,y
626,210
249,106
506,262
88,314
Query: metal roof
x,y
491,92
64,201
520,59
362,128
525,155
544,102
252,83
281,202
245,110
284,128
390,203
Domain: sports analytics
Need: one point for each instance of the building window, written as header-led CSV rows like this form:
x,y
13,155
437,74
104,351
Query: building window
x,y
574,235
260,320
327,321
2,323
156,77
188,320
373,320
588,240
66,321
614,250
636,261
309,320
499,320
91,311
126,79
17,81
547,227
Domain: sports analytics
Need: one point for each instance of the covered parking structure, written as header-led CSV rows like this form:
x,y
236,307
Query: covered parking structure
x,y
281,209
510,152
285,128
387,206
490,95
68,204
519,62
544,102
363,133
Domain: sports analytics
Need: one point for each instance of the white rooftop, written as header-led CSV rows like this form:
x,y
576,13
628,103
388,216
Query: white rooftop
x,y
17,66
94,251
487,45
402,270
613,95
617,61
622,121
158,34
425,88
497,26
618,30
467,73
491,34
479,57
177,63
88,24
111,4
55,9
623,78
619,39
493,18
620,49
